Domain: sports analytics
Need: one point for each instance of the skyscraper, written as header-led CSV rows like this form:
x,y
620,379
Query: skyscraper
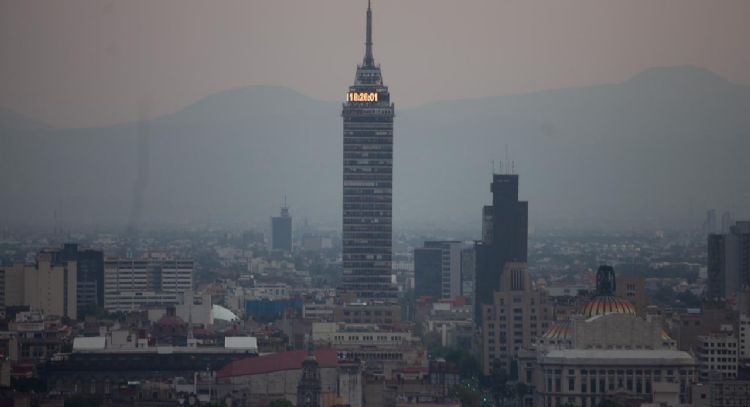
x,y
90,269
428,269
729,261
504,237
368,182
450,267
281,230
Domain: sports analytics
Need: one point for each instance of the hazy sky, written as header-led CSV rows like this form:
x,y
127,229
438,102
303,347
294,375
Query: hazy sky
x,y
82,63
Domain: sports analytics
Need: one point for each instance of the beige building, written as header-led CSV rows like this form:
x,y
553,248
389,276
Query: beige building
x,y
518,314
367,313
633,289
45,286
12,283
384,349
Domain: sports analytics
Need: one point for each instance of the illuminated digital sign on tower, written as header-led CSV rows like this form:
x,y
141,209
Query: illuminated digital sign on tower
x,y
368,182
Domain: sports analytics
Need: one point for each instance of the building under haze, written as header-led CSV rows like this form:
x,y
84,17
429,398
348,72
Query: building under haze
x,y
368,182
504,237
605,352
281,230
519,313
729,261
47,285
90,274
437,269
428,264
146,283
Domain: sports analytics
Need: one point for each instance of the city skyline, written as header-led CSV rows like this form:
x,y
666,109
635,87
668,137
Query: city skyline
x,y
154,283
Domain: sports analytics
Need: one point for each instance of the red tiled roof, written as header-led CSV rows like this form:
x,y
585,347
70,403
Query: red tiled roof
x,y
276,362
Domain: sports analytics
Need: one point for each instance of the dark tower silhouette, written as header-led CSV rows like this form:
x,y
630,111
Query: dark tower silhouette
x,y
504,237
728,261
605,281
309,387
367,182
89,274
281,230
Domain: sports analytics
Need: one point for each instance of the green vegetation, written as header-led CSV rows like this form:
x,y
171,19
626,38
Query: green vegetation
x,y
80,400
281,403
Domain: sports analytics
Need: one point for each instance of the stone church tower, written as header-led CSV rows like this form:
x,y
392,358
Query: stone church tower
x,y
308,389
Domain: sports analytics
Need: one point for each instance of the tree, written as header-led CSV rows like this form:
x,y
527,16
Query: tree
x,y
80,400
468,394
498,381
280,403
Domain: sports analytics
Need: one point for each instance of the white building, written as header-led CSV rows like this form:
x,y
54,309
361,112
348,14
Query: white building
x,y
585,377
718,353
744,339
152,282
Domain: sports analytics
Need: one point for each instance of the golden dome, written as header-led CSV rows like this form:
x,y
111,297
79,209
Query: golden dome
x,y
607,304
558,331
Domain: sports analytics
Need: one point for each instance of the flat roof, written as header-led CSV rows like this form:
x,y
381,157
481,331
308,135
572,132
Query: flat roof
x,y
618,356
89,343
290,360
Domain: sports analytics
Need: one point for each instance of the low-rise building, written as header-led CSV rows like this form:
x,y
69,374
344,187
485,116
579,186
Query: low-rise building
x,y
258,381
721,393
717,353
367,313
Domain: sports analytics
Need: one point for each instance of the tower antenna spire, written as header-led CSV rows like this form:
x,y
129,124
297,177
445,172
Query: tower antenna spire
x,y
369,60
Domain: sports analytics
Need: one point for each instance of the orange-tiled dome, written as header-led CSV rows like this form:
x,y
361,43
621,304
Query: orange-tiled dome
x,y
607,304
558,331
604,302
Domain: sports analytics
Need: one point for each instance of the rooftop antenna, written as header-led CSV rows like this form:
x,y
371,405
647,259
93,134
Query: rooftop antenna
x,y
369,60
506,158
512,167
492,166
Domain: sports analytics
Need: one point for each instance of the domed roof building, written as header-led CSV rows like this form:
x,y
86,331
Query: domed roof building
x,y
603,302
605,349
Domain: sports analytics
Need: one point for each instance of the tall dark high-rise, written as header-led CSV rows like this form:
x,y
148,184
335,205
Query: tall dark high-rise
x,y
428,271
368,182
281,230
89,274
728,261
505,227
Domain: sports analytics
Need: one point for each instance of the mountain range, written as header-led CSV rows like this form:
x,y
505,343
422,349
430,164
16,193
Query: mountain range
x,y
654,151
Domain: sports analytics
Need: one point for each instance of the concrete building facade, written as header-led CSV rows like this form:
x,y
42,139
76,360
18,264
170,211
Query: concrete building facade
x,y
518,314
718,354
135,284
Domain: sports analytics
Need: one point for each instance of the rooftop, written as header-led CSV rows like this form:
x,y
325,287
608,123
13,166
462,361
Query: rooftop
x,y
619,356
276,362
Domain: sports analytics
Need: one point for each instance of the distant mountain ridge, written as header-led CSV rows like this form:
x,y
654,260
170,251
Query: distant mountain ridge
x,y
12,120
655,150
